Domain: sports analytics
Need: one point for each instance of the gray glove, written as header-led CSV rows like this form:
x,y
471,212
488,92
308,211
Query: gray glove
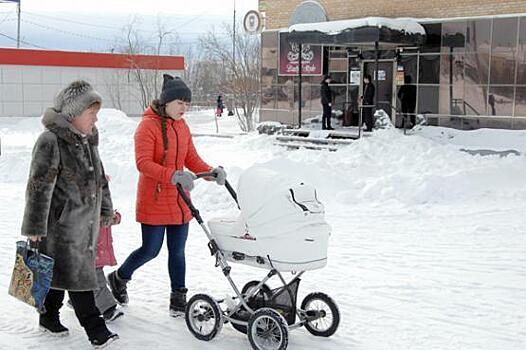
x,y
220,175
185,179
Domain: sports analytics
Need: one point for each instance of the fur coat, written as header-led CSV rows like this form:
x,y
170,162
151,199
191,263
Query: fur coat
x,y
66,195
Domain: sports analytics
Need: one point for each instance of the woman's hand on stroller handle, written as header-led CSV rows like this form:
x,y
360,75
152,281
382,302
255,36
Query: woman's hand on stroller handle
x,y
184,178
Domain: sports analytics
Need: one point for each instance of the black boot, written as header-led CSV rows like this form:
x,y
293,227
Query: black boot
x,y
178,302
112,314
91,320
118,287
51,324
103,339
49,321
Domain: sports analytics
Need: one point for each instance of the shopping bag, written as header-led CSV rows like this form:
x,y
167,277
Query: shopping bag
x,y
32,275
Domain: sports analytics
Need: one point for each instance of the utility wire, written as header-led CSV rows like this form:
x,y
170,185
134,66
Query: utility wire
x,y
66,32
23,41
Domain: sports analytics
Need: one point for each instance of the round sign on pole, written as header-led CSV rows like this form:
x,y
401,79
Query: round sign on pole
x,y
252,22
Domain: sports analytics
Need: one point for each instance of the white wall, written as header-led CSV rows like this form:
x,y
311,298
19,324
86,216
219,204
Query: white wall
x,y
26,91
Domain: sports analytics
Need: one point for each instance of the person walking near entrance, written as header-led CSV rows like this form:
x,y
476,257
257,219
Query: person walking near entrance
x,y
368,100
219,106
407,96
326,102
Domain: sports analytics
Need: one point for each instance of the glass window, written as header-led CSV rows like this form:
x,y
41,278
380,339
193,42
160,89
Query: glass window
x,y
315,97
476,68
428,99
285,96
521,53
429,69
500,101
454,36
520,101
478,34
475,99
504,34
452,99
409,63
502,67
503,47
451,68
338,65
268,97
268,76
433,37
269,45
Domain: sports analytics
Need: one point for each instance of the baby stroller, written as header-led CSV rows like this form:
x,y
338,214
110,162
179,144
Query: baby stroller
x,y
284,231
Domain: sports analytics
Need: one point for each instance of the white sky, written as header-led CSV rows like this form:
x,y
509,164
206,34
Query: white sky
x,y
146,7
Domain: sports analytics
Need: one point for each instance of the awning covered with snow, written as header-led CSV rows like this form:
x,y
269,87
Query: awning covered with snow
x,y
360,32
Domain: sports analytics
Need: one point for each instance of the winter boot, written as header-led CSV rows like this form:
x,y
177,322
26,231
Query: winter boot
x,y
112,314
118,287
178,302
51,324
103,339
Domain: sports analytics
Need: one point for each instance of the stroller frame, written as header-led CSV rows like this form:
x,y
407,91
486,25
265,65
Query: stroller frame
x,y
243,298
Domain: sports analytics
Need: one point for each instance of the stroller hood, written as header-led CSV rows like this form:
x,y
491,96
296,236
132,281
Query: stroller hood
x,y
273,204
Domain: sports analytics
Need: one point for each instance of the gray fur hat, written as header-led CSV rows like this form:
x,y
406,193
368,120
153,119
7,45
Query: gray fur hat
x,y
75,99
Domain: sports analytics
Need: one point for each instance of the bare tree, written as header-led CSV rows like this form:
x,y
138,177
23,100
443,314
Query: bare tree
x,y
145,83
238,76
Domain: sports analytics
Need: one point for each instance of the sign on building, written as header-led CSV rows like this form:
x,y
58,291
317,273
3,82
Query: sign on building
x,y
289,54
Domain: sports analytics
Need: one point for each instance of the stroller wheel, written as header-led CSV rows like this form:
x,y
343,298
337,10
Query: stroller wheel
x,y
268,330
264,291
322,314
256,302
203,317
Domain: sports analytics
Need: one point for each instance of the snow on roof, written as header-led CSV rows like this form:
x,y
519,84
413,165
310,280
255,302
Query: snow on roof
x,y
407,25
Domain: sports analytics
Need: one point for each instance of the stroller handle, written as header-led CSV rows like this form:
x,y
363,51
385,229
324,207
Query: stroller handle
x,y
188,201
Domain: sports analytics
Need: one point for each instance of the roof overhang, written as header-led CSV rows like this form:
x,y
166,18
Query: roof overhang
x,y
387,32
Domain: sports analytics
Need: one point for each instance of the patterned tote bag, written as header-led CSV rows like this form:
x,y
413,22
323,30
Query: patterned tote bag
x,y
32,275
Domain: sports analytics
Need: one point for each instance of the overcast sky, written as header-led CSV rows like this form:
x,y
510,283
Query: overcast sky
x,y
94,25
150,7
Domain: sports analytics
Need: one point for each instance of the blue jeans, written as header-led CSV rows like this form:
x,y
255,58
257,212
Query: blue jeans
x,y
152,241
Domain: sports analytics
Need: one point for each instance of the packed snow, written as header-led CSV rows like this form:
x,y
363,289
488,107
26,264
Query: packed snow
x,y
427,250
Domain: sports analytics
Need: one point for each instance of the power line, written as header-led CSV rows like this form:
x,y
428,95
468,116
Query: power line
x,y
23,41
66,32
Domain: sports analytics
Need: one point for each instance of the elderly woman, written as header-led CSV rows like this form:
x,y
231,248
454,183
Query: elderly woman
x,y
67,193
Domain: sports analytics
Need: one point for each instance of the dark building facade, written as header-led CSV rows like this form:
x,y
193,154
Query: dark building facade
x,y
470,72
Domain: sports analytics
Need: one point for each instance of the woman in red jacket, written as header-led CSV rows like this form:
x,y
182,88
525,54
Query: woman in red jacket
x,y
163,148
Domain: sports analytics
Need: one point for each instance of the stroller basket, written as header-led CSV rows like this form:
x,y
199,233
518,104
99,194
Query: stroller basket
x,y
283,300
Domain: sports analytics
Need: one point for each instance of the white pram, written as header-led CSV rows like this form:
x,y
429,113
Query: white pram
x,y
281,227
281,224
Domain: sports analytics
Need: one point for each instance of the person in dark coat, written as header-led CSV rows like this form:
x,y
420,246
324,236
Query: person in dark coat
x,y
219,106
368,100
407,96
66,196
326,102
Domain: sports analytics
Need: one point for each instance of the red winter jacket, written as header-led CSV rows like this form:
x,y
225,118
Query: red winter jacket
x,y
158,202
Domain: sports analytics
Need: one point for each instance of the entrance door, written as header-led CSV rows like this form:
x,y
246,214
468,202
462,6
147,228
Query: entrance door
x,y
385,83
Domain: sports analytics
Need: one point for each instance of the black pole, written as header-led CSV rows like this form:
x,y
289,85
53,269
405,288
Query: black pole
x,y
450,79
18,26
299,87
376,54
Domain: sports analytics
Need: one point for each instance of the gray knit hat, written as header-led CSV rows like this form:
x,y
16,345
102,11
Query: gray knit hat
x,y
76,98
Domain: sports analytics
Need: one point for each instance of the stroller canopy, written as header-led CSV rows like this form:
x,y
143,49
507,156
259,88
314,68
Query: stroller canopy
x,y
273,204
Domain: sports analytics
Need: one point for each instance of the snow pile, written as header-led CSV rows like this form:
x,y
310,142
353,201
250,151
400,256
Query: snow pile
x,y
407,25
426,250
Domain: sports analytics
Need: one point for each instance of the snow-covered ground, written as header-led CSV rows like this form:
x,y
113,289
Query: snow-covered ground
x,y
428,248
